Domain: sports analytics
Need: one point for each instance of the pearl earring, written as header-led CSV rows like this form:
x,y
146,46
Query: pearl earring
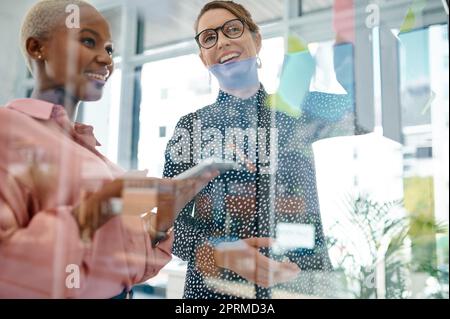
x,y
259,62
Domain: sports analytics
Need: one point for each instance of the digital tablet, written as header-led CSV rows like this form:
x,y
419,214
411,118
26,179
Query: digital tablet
x,y
209,165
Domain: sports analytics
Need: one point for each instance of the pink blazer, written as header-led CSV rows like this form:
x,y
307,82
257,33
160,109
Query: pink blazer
x,y
47,164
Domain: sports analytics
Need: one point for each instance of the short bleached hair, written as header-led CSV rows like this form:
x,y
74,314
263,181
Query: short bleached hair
x,y
43,18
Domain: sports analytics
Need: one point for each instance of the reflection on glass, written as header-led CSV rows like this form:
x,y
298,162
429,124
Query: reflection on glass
x,y
368,238
319,207
273,195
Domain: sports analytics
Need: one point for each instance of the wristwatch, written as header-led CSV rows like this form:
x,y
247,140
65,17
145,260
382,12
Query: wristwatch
x,y
160,236
156,236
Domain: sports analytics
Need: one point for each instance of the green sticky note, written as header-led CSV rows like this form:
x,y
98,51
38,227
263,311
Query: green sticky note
x,y
295,44
411,15
276,102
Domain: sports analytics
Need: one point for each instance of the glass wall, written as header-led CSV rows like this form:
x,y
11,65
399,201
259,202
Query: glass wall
x,y
341,189
191,89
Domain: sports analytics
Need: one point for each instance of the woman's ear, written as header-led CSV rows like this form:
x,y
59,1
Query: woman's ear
x,y
35,49
203,59
258,39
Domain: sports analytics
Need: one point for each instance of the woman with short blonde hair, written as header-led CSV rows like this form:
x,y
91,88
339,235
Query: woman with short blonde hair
x,y
60,236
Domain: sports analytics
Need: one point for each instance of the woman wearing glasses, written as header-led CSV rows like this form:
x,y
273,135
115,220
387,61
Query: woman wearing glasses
x,y
227,232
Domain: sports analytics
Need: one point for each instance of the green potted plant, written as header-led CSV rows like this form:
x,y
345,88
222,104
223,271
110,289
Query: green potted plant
x,y
372,245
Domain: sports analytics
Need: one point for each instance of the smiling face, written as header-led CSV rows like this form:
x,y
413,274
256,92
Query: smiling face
x,y
227,50
80,60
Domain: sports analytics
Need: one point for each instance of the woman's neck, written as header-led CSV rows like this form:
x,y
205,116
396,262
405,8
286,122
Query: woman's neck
x,y
244,94
58,96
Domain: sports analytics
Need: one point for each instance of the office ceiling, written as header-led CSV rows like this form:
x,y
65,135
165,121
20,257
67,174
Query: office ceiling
x,y
170,21
173,20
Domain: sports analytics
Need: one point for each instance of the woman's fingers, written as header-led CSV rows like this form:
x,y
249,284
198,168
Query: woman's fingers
x,y
269,272
112,189
207,177
195,185
290,266
282,276
259,241
277,274
266,263
244,258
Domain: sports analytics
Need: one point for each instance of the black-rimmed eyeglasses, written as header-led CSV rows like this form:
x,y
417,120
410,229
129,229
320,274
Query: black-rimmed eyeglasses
x,y
232,29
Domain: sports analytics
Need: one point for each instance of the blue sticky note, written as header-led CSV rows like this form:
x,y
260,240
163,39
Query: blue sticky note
x,y
298,69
